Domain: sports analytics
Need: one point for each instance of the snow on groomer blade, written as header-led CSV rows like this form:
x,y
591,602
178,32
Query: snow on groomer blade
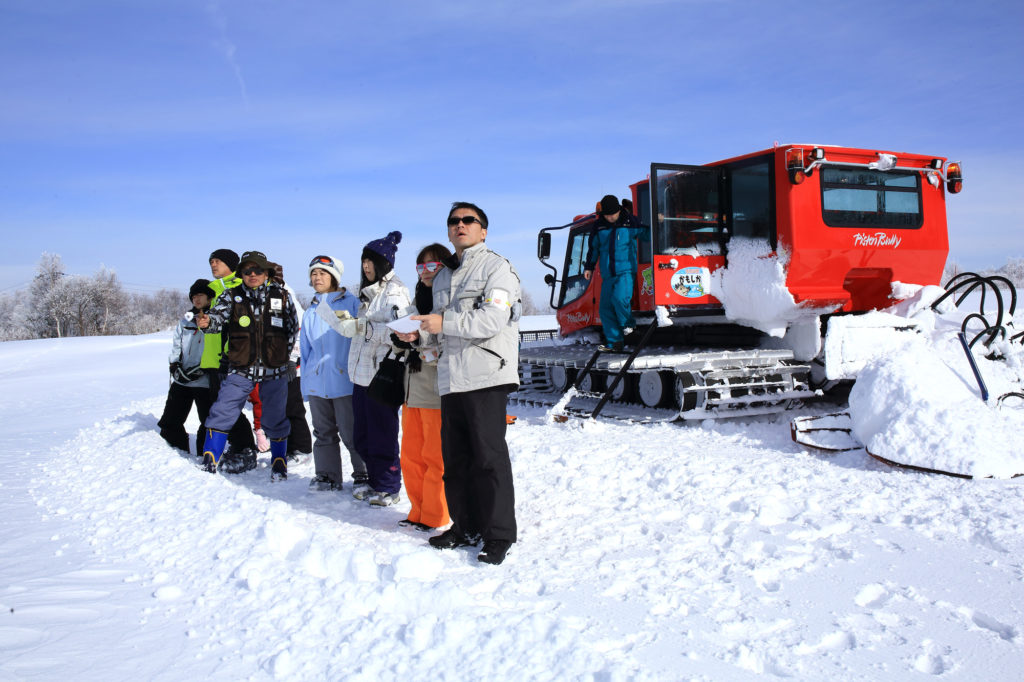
x,y
909,408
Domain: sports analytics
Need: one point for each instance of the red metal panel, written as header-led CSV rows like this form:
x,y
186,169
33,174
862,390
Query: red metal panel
x,y
853,268
582,312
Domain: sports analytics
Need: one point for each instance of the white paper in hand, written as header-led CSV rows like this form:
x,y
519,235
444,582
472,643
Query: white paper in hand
x,y
405,325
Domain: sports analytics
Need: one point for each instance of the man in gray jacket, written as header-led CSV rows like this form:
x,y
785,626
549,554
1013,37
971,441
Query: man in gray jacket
x,y
475,327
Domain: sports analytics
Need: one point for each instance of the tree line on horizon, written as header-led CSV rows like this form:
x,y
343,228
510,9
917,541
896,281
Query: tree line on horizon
x,y
1013,271
58,305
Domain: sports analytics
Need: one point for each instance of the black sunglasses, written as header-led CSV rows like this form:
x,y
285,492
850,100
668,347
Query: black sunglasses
x,y
321,260
466,219
254,270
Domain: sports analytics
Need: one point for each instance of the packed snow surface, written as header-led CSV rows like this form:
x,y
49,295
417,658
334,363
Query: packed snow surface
x,y
709,551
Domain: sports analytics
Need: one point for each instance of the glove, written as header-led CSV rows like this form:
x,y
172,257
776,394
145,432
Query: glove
x,y
175,366
343,314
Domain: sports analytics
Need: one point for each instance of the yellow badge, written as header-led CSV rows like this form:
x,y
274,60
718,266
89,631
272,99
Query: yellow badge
x,y
244,320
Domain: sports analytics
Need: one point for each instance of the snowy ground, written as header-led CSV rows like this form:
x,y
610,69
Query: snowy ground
x,y
716,551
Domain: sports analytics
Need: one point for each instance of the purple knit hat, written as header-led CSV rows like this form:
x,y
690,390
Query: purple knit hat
x,y
385,247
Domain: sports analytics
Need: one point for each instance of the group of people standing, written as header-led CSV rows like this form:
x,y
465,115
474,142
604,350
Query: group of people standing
x,y
198,367
460,365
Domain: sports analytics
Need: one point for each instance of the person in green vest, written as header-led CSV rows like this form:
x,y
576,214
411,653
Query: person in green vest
x,y
260,319
223,264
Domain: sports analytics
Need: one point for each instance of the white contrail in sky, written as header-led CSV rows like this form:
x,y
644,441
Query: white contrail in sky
x,y
226,47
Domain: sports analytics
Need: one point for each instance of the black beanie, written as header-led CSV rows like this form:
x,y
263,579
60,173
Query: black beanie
x,y
201,286
609,205
227,257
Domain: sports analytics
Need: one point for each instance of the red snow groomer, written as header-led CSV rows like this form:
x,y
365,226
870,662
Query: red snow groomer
x,y
745,262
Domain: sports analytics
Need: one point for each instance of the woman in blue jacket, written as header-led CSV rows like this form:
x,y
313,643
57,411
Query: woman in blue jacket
x,y
326,384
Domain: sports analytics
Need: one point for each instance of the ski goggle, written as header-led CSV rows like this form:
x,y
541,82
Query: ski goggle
x,y
429,266
322,260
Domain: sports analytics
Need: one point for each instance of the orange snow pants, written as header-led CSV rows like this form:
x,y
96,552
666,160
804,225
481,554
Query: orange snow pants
x,y
423,466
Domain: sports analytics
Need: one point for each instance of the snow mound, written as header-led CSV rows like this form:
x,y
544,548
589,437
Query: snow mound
x,y
920,405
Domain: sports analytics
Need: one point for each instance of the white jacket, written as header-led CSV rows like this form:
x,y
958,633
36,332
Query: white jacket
x,y
380,303
479,339
187,349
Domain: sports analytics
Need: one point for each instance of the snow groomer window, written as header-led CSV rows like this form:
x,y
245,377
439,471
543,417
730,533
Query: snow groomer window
x,y
753,206
861,197
575,282
687,212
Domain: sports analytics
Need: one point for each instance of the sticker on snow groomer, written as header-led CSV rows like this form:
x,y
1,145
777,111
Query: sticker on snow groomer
x,y
691,282
647,281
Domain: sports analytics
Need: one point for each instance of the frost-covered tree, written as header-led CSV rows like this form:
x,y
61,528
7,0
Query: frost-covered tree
x,y
951,270
531,308
60,305
108,300
168,305
7,305
41,321
1014,271
14,317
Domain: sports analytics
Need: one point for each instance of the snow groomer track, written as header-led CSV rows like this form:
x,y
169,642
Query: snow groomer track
x,y
664,384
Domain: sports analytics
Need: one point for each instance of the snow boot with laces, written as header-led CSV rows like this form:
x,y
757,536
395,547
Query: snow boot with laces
x,y
384,499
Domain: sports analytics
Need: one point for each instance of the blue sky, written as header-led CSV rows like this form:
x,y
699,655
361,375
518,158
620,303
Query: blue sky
x,y
142,135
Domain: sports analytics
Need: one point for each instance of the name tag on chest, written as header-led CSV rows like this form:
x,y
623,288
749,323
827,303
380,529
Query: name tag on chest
x,y
276,304
276,322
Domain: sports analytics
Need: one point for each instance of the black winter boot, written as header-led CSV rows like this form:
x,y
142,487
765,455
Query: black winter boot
x,y
239,462
451,539
494,551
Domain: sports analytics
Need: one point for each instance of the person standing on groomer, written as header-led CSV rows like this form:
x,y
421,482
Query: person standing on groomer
x,y
475,326
613,243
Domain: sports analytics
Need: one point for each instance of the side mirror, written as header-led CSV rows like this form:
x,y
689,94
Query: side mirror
x,y
549,279
543,245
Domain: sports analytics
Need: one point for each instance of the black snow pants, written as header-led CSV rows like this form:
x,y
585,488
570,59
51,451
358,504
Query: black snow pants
x,y
477,470
299,440
179,403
